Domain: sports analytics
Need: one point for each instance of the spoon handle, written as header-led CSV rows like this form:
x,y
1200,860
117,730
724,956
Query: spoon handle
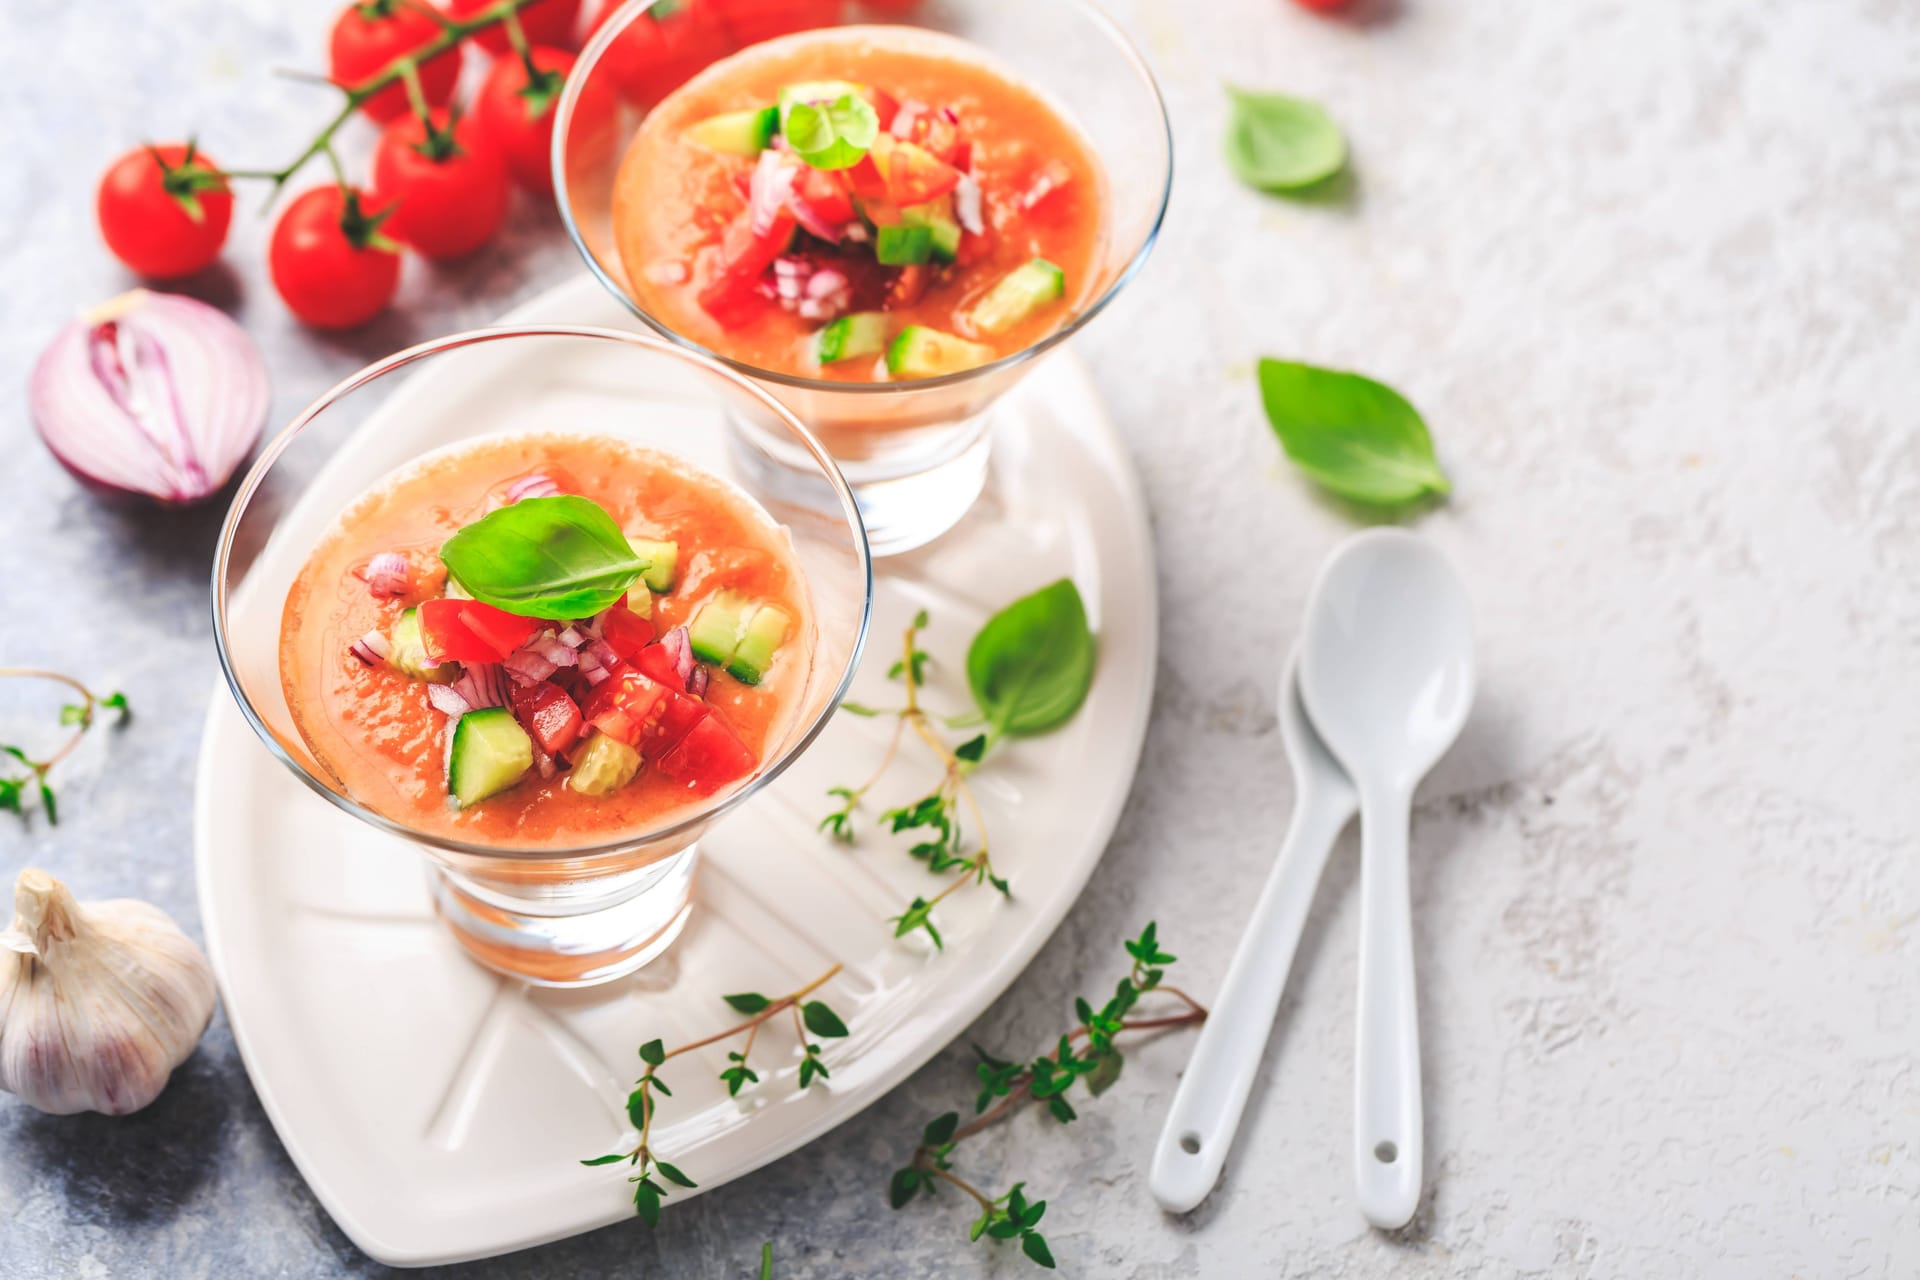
x,y
1387,1120
1206,1107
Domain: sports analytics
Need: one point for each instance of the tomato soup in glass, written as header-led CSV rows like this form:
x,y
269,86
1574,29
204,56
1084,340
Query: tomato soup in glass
x,y
510,722
860,204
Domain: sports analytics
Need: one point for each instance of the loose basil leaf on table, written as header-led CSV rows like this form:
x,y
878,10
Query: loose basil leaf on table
x,y
557,558
1354,436
1032,664
1278,143
832,135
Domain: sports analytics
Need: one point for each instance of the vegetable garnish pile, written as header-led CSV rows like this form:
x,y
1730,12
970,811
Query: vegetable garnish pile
x,y
857,204
544,657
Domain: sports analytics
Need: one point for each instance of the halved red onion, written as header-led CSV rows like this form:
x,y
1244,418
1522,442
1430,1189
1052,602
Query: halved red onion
x,y
772,182
482,684
536,485
389,574
447,700
151,393
371,648
966,205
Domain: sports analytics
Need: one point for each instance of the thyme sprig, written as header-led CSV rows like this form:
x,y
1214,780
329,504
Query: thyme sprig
x,y
1086,1054
651,1174
16,787
935,815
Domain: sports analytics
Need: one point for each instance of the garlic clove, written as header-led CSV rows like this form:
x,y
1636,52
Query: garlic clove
x,y
99,1001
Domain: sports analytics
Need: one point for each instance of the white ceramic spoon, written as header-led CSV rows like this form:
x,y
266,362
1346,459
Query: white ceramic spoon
x,y
1213,1092
1386,674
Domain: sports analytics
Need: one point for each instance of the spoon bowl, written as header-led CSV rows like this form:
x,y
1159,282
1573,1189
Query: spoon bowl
x,y
1386,676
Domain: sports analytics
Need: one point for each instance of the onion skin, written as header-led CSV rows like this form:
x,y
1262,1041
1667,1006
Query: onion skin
x,y
151,393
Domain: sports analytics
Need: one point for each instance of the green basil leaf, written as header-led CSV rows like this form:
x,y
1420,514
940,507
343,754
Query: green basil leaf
x,y
1032,664
1277,143
556,558
1354,436
833,136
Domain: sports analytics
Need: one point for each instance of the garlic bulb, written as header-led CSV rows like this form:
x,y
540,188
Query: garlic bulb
x,y
98,1002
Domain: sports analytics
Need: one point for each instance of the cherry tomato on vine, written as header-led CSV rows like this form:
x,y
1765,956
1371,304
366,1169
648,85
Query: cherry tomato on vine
x,y
445,187
516,113
164,210
664,47
329,260
550,22
369,34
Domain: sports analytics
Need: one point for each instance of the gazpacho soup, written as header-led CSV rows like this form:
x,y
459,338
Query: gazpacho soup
x,y
860,204
545,640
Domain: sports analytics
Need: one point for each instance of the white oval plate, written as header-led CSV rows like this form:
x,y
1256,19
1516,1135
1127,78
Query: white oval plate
x,y
440,1112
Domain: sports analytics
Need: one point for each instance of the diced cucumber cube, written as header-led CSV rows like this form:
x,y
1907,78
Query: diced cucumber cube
x,y
864,333
765,630
662,559
921,352
491,752
716,631
901,245
603,766
1020,293
407,653
937,217
739,133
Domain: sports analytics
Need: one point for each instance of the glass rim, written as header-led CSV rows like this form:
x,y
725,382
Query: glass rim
x,y
588,63
269,455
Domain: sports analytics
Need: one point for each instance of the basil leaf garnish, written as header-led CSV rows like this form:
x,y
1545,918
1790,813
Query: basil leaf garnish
x,y
1277,143
831,136
552,558
1354,436
1032,664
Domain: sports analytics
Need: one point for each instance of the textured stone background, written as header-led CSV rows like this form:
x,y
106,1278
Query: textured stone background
x,y
1648,270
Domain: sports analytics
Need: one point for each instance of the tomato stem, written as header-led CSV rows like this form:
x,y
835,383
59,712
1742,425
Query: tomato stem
x,y
452,32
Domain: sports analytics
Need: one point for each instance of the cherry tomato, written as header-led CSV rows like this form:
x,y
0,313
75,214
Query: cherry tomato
x,y
447,187
370,34
545,22
164,210
751,21
658,52
517,114
329,261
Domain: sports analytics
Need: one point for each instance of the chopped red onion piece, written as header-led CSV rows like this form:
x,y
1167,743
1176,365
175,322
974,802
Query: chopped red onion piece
x,y
572,637
603,653
482,684
389,574
536,485
371,648
827,280
697,685
528,667
857,232
549,646
908,116
772,183
679,647
446,700
953,117
544,762
966,205
667,272
809,217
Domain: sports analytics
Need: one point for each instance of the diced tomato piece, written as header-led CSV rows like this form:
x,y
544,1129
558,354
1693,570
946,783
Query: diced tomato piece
x,y
545,711
656,55
1043,188
751,21
929,128
656,662
865,179
885,105
908,286
913,175
708,756
975,246
621,706
672,718
732,294
626,631
448,639
504,631
825,198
